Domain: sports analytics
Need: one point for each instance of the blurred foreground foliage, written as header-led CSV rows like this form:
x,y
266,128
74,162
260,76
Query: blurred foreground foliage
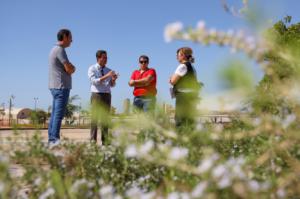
x,y
256,155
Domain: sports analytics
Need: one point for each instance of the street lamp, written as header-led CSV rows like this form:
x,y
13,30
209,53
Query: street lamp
x,y
35,102
2,112
10,107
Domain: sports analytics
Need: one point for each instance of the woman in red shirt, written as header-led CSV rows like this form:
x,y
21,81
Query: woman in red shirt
x,y
144,83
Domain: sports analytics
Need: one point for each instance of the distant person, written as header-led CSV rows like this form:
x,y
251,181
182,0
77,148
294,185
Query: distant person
x,y
144,82
185,88
102,79
60,83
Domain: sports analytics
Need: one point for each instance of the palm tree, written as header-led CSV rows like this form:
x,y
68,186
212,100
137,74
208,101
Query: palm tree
x,y
71,108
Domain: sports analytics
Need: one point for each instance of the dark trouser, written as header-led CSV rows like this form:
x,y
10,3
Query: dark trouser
x,y
186,110
101,103
144,103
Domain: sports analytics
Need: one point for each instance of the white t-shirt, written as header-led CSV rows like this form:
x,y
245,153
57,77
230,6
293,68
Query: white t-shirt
x,y
181,70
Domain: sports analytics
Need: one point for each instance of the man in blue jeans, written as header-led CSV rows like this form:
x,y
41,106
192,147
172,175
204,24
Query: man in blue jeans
x,y
60,83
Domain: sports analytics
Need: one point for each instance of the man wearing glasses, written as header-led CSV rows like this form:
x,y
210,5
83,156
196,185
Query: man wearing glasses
x,y
102,79
144,82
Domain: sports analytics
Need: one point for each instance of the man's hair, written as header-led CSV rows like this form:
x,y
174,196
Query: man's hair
x,y
144,57
99,53
61,33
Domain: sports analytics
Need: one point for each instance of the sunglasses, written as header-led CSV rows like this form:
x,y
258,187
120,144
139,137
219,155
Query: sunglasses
x,y
143,62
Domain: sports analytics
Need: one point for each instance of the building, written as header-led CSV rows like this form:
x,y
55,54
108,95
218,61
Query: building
x,y
16,115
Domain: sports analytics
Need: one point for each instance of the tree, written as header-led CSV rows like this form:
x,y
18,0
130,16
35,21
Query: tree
x,y
38,117
282,69
71,108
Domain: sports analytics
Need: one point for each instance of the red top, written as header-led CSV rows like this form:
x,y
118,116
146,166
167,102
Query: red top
x,y
149,90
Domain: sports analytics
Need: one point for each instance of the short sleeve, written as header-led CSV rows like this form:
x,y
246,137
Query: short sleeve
x,y
153,74
181,70
62,55
133,75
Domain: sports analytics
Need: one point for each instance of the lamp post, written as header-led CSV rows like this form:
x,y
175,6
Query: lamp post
x,y
2,112
35,102
9,110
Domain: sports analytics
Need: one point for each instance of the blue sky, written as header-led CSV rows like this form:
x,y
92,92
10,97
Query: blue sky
x,y
126,29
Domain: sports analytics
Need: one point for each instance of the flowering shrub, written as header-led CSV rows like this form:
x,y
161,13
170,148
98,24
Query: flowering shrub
x,y
255,156
248,158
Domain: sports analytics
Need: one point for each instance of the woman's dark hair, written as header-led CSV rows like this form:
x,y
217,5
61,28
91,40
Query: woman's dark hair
x,y
99,53
144,57
63,32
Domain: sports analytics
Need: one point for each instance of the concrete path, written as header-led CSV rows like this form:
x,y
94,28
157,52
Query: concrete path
x,y
25,135
13,139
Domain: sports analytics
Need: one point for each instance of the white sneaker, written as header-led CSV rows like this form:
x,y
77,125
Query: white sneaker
x,y
54,144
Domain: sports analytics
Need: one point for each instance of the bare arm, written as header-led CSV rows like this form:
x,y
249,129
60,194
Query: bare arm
x,y
141,82
174,79
69,68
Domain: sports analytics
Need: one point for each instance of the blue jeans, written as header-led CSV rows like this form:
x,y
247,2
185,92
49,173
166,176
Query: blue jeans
x,y
60,100
146,104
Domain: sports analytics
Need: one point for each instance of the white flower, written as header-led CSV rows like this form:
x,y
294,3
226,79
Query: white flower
x,y
50,191
131,151
205,165
219,171
230,33
178,153
174,195
265,185
145,148
4,158
256,121
240,34
118,197
254,185
171,30
106,191
240,160
213,32
238,172
235,161
186,36
201,25
199,189
281,193
37,181
77,184
134,192
149,195
224,182
288,120
184,195
59,154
